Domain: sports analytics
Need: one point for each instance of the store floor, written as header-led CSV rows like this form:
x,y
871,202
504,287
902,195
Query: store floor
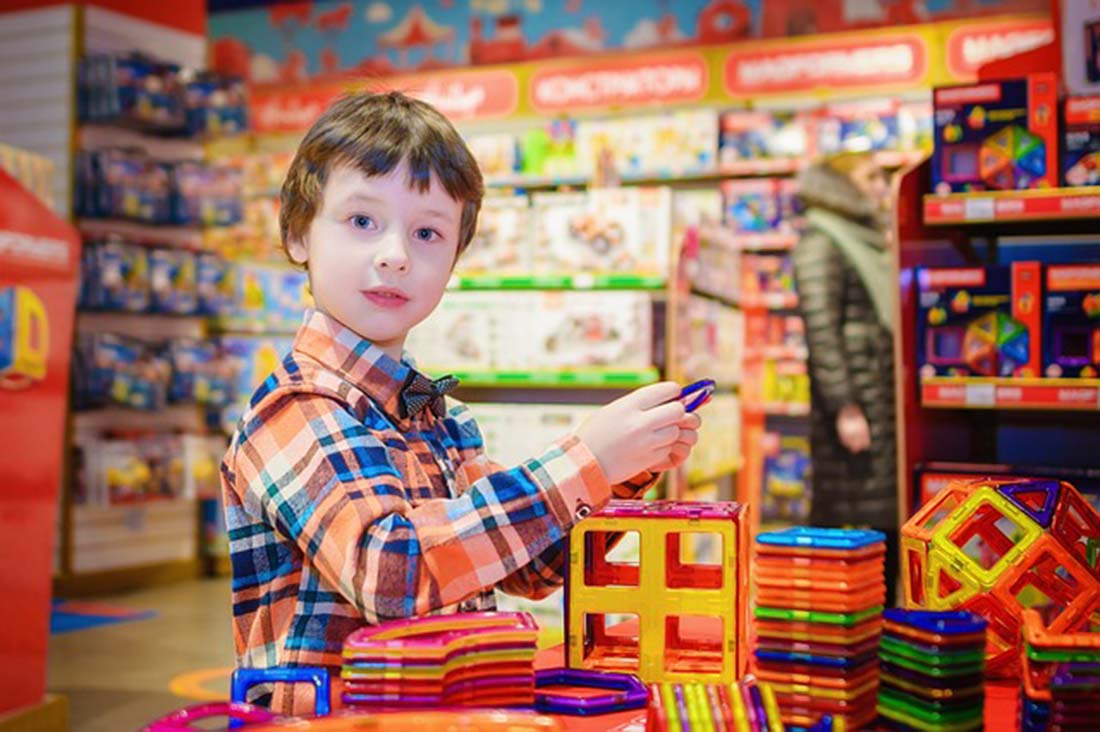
x,y
120,677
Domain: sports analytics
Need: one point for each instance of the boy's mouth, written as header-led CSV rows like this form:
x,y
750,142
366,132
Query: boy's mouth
x,y
386,297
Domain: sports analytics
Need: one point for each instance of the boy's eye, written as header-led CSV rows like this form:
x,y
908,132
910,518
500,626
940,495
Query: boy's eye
x,y
359,221
426,234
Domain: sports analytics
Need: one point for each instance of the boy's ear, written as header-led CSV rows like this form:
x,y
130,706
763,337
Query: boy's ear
x,y
297,249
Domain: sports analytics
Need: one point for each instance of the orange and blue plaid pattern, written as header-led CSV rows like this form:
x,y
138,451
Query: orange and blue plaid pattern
x,y
340,512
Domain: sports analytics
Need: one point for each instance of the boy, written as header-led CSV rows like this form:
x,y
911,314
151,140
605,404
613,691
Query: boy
x,y
352,494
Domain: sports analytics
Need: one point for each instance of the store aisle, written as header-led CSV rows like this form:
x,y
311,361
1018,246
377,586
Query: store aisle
x,y
119,677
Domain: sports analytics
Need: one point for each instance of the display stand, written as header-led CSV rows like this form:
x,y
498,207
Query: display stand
x,y
38,275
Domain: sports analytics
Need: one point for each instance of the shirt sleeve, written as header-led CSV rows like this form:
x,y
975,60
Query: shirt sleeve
x,y
311,470
545,573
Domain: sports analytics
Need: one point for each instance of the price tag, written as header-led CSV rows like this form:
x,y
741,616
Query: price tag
x,y
979,209
981,395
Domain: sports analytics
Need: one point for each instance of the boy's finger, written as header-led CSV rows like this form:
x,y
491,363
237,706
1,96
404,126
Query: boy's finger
x,y
691,421
654,394
688,437
665,436
669,413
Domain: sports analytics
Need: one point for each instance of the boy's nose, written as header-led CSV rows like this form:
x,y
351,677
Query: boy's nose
x,y
392,253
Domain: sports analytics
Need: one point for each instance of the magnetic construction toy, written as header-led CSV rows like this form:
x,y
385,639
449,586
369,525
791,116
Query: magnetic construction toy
x,y
259,719
1012,158
931,667
1060,678
818,616
995,343
690,616
997,547
471,659
745,706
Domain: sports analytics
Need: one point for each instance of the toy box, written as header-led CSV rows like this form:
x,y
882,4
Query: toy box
x,y
551,150
495,153
767,274
603,230
1071,321
205,195
1081,141
860,126
502,242
747,135
514,433
199,374
112,369
173,281
145,467
461,332
269,298
1080,37
979,321
759,206
719,446
709,341
214,284
115,276
578,329
996,135
787,490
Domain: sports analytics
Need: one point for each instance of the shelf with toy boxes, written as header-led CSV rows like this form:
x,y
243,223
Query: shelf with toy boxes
x,y
1021,336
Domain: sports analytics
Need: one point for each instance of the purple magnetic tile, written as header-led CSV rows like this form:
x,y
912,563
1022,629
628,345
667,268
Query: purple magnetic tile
x,y
627,692
1051,488
668,509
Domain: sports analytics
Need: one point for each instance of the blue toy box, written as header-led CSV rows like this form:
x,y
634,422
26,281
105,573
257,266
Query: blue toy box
x,y
996,135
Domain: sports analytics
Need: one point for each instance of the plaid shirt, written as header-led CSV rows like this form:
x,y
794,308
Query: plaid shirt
x,y
340,512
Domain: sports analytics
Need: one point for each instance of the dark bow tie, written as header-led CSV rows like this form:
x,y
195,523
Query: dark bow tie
x,y
419,391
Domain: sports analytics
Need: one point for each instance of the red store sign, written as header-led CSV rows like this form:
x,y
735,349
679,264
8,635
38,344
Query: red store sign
x,y
459,95
654,80
900,59
972,46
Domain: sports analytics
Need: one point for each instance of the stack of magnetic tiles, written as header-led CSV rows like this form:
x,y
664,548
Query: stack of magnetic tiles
x,y
1061,678
931,670
745,706
469,659
818,615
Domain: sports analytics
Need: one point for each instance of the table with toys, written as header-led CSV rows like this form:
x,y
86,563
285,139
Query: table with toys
x,y
1001,628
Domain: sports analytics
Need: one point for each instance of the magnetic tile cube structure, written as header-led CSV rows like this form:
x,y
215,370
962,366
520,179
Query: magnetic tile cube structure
x,y
690,615
999,547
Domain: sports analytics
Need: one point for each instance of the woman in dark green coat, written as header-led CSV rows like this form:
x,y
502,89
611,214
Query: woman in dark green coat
x,y
845,278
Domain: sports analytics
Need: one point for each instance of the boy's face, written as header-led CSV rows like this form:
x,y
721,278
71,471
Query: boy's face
x,y
379,252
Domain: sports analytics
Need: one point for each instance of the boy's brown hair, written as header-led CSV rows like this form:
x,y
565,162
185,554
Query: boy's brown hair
x,y
373,133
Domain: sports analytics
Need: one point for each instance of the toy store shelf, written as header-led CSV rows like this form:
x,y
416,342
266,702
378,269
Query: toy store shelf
x,y
766,242
1030,205
732,301
180,417
146,326
249,326
779,409
770,301
557,282
1011,393
694,480
97,136
588,378
183,237
776,353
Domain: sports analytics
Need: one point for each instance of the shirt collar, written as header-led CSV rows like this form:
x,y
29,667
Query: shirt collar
x,y
355,359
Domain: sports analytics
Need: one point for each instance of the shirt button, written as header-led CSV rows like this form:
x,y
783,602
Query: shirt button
x,y
583,510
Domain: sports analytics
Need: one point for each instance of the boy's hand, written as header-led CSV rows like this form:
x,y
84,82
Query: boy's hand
x,y
648,429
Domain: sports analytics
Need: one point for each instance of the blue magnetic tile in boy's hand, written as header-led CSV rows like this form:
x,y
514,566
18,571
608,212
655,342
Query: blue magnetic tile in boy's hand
x,y
811,537
957,622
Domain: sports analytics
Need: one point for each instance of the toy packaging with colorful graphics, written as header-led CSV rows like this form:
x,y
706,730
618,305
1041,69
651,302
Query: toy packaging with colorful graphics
x,y
758,206
996,135
787,491
604,230
979,321
1071,321
757,135
501,244
1081,141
